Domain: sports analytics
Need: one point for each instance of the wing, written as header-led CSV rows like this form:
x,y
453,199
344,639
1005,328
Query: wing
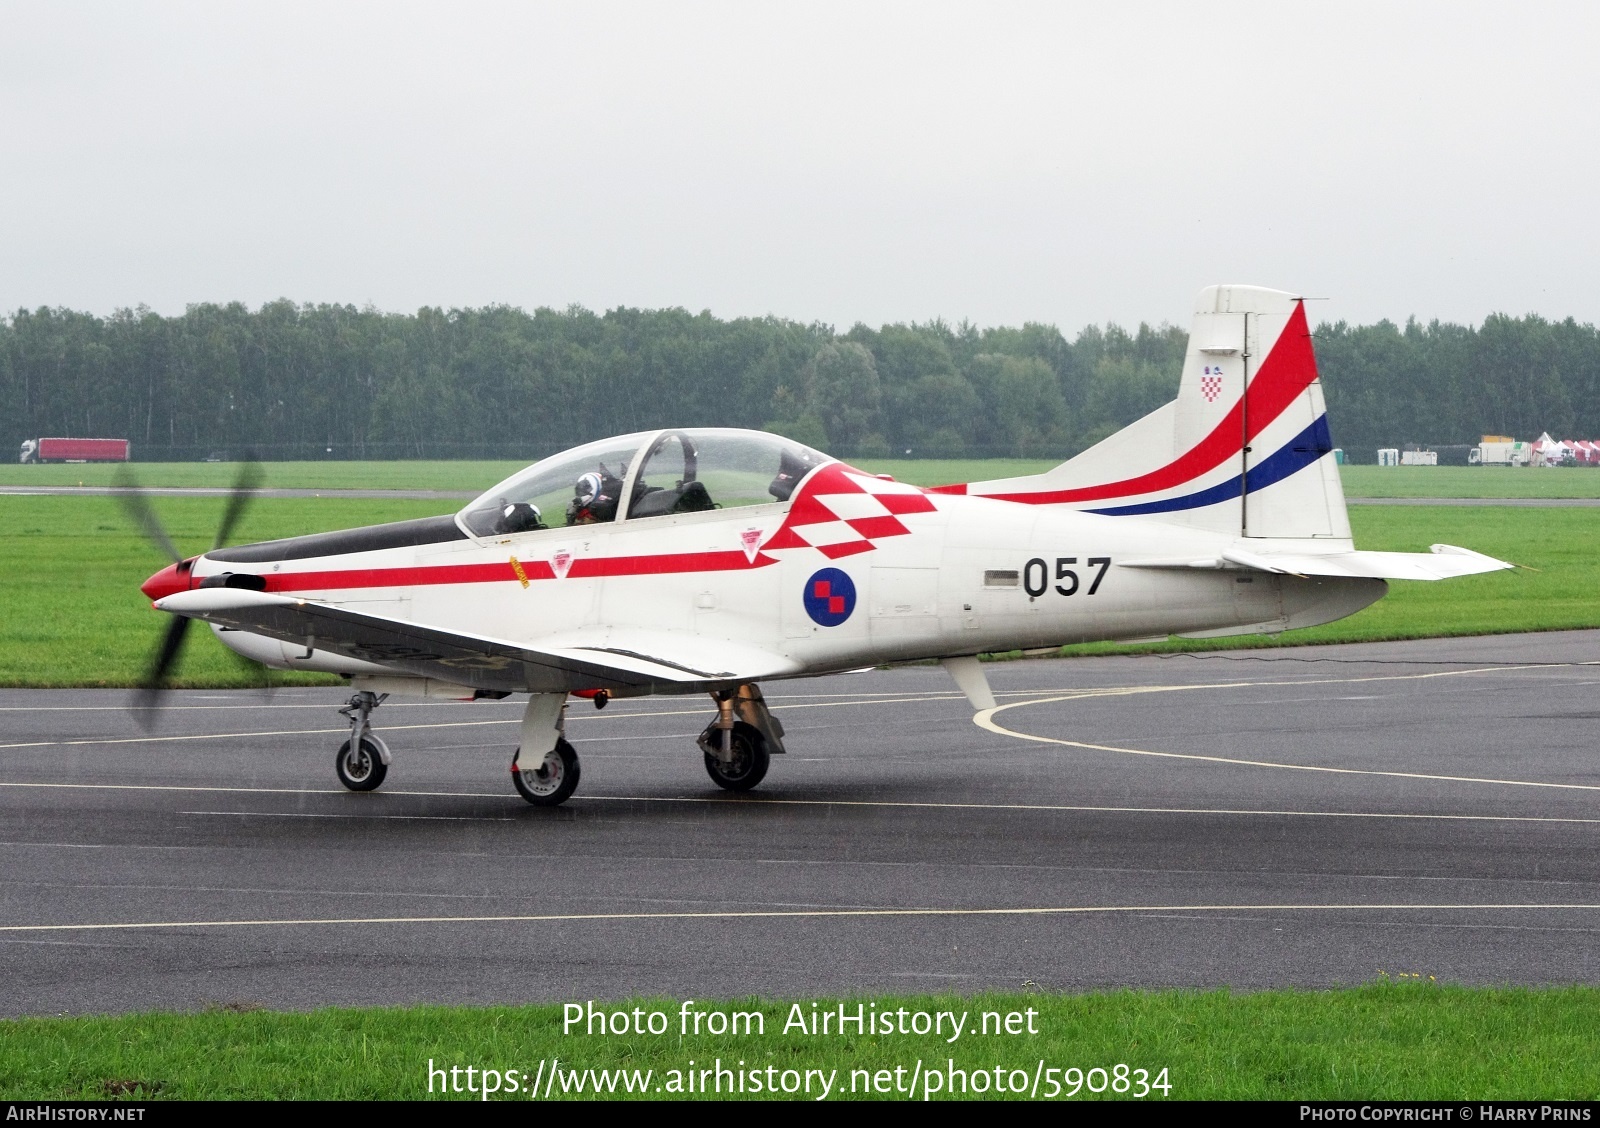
x,y
1444,562
605,658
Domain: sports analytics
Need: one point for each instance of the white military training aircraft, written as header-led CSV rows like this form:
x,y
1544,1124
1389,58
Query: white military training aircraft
x,y
708,560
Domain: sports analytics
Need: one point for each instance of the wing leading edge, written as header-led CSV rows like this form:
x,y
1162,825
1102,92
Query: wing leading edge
x,y
636,661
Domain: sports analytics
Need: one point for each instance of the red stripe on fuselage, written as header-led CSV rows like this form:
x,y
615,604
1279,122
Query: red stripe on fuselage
x,y
583,568
805,507
1290,368
731,561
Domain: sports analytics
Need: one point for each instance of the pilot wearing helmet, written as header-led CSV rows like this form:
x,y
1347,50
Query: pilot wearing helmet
x,y
519,517
594,498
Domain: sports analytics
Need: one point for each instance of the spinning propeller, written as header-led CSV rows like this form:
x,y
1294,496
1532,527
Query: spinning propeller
x,y
136,504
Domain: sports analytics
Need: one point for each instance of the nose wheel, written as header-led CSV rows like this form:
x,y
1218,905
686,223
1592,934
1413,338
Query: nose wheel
x,y
550,781
363,760
361,768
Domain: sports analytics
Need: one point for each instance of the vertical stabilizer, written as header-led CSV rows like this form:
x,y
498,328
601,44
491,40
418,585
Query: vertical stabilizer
x,y
1243,450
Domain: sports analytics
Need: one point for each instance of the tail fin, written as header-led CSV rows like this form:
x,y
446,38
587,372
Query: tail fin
x,y
1244,449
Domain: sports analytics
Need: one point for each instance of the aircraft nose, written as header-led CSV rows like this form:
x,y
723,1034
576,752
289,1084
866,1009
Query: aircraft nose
x,y
169,581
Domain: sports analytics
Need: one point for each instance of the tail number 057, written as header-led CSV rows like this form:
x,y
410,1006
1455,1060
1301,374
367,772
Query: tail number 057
x,y
1036,577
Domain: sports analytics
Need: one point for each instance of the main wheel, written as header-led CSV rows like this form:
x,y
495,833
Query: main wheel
x,y
363,769
551,781
750,758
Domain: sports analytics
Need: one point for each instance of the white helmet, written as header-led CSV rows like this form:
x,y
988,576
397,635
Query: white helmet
x,y
511,508
588,488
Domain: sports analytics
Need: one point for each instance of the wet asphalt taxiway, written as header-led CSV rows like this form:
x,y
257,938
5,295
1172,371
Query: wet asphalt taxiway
x,y
1308,816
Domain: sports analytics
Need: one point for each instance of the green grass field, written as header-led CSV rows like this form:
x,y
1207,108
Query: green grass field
x,y
1407,1040
279,475
1558,587
71,612
440,475
1359,481
1470,481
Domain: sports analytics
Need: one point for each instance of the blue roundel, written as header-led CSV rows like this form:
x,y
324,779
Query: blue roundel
x,y
830,596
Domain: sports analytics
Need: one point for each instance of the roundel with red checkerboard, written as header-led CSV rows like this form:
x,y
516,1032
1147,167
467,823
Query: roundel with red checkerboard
x,y
830,596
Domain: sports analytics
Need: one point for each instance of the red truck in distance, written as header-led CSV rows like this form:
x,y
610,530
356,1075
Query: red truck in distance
x,y
74,450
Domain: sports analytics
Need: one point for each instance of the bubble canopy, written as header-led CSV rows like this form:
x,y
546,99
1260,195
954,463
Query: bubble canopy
x,y
643,475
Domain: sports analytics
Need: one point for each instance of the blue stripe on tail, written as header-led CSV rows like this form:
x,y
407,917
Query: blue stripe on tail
x,y
1295,455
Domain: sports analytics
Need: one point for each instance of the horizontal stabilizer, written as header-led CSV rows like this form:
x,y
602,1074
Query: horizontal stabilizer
x,y
641,661
1443,562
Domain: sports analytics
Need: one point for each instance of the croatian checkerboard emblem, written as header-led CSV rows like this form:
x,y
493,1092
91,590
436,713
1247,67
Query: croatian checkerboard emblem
x,y
841,513
830,596
1211,383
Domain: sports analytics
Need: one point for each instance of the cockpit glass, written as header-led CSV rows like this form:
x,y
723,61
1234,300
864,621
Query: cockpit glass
x,y
704,468
582,486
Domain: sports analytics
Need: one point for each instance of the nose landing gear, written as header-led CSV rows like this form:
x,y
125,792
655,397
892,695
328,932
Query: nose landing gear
x,y
363,760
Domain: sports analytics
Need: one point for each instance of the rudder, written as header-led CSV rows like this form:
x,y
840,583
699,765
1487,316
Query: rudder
x,y
1244,449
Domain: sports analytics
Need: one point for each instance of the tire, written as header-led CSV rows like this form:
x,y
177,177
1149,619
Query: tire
x,y
368,770
551,782
750,758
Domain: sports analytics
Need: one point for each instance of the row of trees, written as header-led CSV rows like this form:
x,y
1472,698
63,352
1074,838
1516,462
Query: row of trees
x,y
290,381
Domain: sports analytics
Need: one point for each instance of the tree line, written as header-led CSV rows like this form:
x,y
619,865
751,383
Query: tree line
x,y
334,381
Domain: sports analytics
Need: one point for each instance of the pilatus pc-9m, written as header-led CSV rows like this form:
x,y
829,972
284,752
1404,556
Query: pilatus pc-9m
x,y
708,561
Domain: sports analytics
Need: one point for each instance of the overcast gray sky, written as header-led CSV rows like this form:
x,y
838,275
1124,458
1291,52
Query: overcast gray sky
x,y
874,162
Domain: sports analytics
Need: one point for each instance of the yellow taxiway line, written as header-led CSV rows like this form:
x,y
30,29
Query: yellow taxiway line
x,y
792,914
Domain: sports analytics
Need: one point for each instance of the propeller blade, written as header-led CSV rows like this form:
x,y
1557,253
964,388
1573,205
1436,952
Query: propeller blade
x,y
148,698
244,488
137,506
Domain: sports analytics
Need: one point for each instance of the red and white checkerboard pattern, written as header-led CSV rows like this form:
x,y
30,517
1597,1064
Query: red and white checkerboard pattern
x,y
841,511
1210,386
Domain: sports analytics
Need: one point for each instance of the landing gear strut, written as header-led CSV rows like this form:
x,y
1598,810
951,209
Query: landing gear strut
x,y
363,760
549,778
739,744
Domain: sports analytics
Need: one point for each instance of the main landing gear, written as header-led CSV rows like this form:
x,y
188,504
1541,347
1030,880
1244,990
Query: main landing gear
x,y
740,743
737,746
550,781
545,778
363,760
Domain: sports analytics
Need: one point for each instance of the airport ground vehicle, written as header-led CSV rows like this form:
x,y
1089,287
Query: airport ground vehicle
x,y
74,450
